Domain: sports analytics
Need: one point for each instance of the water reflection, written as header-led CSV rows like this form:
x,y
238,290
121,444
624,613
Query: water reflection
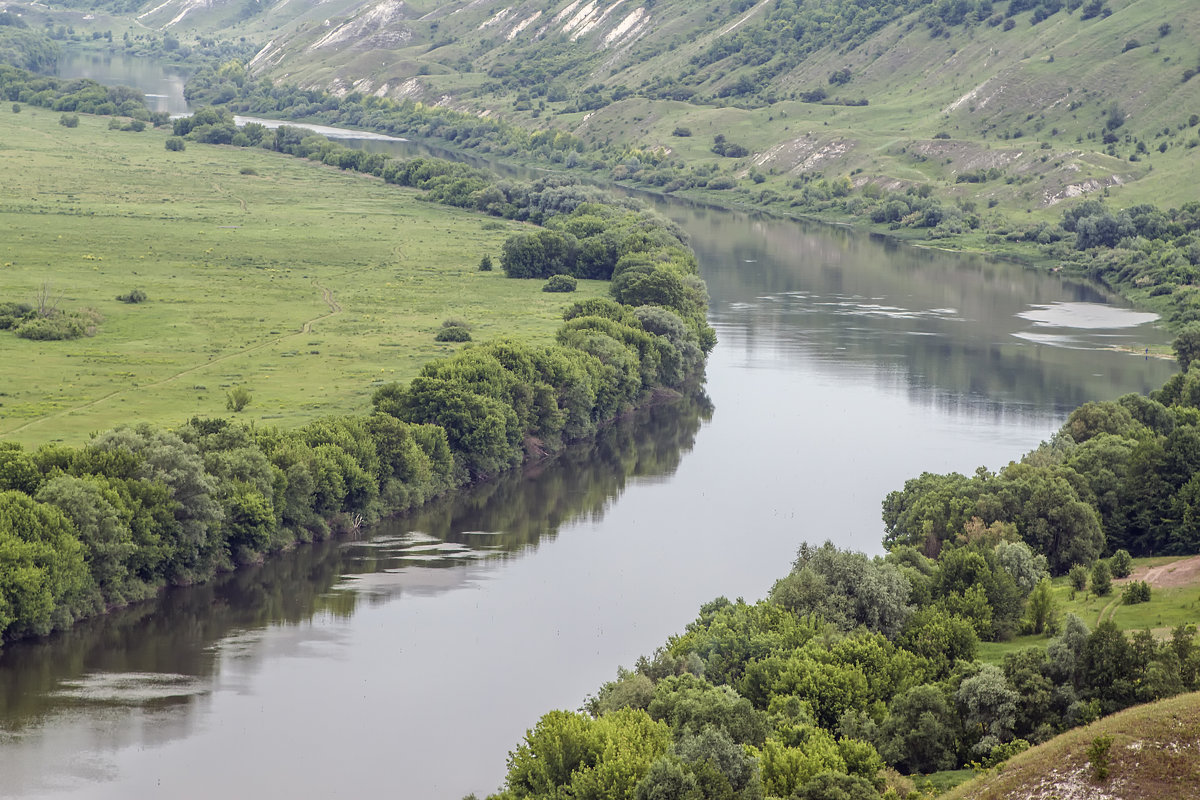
x,y
138,676
163,86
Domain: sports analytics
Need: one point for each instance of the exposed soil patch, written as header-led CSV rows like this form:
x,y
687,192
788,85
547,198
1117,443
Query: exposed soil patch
x,y
1185,572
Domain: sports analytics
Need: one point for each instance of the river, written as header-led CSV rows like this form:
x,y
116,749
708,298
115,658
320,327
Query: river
x,y
408,662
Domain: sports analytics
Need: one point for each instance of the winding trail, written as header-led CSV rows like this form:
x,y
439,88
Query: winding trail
x,y
305,328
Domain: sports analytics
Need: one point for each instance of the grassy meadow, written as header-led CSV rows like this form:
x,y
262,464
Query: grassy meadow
x,y
307,285
1169,607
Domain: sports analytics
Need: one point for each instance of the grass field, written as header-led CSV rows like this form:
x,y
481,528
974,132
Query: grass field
x,y
307,285
1169,607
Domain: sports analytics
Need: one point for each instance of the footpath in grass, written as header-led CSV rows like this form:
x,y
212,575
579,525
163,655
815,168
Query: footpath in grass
x,y
1174,600
307,285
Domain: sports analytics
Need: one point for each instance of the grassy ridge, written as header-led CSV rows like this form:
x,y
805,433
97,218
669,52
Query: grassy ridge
x,y
1153,754
308,285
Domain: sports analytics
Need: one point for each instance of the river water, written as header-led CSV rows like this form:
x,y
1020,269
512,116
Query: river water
x,y
408,662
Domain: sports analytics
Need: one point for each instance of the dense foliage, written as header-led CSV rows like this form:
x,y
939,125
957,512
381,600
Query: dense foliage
x,y
853,665
82,529
1119,475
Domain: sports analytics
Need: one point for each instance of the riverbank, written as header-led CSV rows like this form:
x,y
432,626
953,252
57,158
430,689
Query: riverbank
x,y
108,523
1143,253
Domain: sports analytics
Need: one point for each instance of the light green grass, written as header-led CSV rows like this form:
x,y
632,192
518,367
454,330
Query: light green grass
x,y
1168,608
308,285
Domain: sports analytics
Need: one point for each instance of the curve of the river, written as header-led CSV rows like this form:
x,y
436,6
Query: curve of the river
x,y
408,662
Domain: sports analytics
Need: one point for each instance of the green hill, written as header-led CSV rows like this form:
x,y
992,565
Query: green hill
x,y
1153,753
1019,104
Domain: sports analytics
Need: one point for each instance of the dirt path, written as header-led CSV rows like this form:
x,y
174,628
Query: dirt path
x,y
1184,572
305,328
221,190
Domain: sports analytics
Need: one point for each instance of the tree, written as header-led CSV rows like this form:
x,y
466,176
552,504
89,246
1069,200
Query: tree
x,y
1122,564
1041,607
1101,579
44,582
918,733
1187,346
988,707
237,398
846,588
97,512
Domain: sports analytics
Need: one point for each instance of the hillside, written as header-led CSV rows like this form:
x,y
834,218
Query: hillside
x,y
1153,754
1013,105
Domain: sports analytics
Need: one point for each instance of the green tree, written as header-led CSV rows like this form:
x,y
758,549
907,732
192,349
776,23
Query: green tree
x,y
988,707
101,520
1101,579
44,580
237,398
918,734
1040,610
846,588
1187,346
1121,564
1078,576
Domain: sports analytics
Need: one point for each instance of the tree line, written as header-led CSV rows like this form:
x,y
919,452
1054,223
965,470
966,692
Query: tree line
x,y
855,671
108,523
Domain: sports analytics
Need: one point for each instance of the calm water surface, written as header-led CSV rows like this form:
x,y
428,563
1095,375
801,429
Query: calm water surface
x,y
408,662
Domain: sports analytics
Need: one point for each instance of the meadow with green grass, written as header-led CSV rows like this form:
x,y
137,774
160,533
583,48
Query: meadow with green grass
x,y
1169,607
307,285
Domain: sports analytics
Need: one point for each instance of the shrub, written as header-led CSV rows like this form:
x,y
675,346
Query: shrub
x,y
1121,564
485,263
681,131
1135,592
1101,579
16,107
453,330
1078,577
69,120
175,144
58,326
1098,756
135,296
559,283
237,398
249,171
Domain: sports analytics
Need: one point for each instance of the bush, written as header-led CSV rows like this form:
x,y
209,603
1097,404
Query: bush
x,y
249,171
237,398
1121,564
135,296
559,283
1101,579
485,263
175,144
69,120
1098,756
1078,577
58,326
681,131
1135,592
453,330
16,107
